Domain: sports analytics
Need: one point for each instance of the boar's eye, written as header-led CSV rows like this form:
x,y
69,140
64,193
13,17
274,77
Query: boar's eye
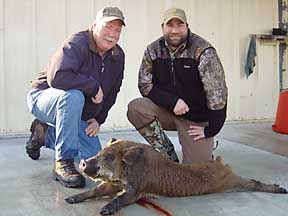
x,y
109,157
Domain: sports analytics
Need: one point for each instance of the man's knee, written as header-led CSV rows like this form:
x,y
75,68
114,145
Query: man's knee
x,y
72,101
140,111
137,106
74,98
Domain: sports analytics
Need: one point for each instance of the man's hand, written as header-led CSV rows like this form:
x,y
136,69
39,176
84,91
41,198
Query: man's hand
x,y
93,127
197,131
98,97
181,107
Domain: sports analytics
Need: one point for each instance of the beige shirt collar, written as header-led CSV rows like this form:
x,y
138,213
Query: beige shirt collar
x,y
181,47
92,43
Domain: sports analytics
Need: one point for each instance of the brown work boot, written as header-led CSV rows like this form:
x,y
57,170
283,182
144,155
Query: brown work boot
x,y
66,173
37,139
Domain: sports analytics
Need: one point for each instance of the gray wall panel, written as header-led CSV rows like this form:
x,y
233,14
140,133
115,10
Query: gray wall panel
x,y
18,60
2,69
31,30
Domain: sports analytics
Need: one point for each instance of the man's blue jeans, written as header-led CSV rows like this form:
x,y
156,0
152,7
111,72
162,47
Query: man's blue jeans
x,y
62,111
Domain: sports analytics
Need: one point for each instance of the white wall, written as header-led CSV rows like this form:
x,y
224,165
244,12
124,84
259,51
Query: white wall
x,y
30,30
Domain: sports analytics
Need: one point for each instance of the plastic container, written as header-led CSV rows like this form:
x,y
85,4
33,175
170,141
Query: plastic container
x,y
281,122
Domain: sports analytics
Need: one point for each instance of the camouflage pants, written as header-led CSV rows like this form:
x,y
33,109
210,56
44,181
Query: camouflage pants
x,y
142,113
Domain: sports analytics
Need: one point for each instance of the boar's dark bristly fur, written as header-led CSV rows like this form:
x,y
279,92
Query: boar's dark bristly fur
x,y
137,169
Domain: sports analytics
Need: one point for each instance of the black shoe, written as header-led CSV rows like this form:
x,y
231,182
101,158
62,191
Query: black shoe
x,y
66,173
37,139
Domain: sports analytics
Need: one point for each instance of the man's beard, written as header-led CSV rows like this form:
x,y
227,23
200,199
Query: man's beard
x,y
175,42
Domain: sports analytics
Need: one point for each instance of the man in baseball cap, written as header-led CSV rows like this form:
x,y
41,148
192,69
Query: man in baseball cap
x,y
71,98
106,38
183,86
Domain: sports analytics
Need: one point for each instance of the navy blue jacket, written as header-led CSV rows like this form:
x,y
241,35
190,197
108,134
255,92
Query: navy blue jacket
x,y
77,65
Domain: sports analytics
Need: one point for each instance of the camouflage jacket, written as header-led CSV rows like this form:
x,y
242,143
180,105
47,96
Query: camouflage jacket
x,y
193,73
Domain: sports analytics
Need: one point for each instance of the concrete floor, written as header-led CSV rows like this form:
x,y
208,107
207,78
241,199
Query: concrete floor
x,y
251,149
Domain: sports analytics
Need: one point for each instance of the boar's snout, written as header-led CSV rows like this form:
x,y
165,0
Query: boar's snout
x,y
88,168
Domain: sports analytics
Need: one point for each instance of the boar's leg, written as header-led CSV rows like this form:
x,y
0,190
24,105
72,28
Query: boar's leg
x,y
254,185
102,190
128,197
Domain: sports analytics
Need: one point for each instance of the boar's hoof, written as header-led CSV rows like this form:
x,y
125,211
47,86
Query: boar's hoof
x,y
72,199
107,210
283,190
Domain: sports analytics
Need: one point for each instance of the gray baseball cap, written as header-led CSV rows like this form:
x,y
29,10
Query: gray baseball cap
x,y
110,13
174,13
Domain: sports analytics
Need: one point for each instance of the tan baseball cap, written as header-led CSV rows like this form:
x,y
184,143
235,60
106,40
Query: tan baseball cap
x,y
110,13
174,13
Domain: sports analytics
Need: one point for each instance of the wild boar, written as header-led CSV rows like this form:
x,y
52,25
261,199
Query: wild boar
x,y
136,170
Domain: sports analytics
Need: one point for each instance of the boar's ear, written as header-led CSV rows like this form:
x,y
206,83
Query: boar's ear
x,y
132,155
111,140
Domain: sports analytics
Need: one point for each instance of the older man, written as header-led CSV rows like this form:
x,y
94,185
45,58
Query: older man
x,y
74,94
183,84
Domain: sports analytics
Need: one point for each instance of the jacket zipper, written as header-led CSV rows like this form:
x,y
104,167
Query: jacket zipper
x,y
102,66
173,72
102,63
102,69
